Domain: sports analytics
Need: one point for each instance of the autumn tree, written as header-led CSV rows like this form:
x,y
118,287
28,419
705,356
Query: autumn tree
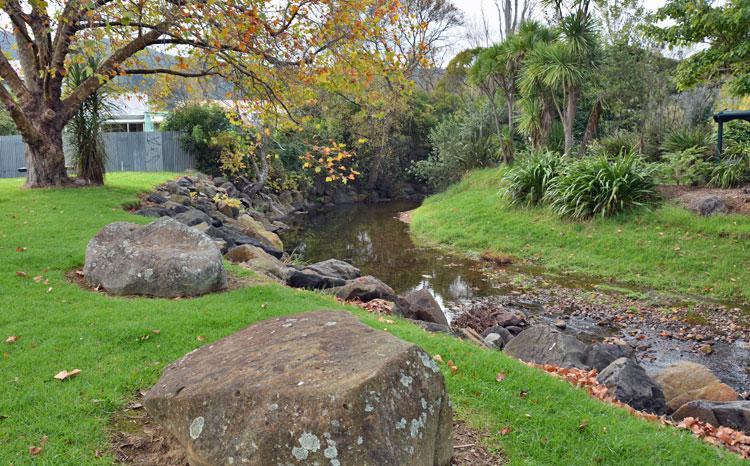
x,y
261,41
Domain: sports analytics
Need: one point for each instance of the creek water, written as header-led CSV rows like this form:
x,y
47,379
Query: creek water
x,y
372,238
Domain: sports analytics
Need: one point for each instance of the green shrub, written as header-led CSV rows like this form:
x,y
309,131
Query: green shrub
x,y
681,139
687,167
616,143
600,186
734,168
527,180
199,125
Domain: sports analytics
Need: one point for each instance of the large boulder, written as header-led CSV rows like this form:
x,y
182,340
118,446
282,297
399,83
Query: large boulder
x,y
708,206
543,344
734,414
627,381
601,355
311,280
193,217
687,381
420,305
233,238
319,388
164,259
366,289
335,268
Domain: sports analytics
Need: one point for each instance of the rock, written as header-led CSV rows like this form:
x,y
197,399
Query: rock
x,y
154,212
627,382
687,381
235,238
420,305
335,268
543,344
180,198
219,180
258,260
165,259
502,331
514,330
255,229
561,324
734,414
319,388
185,182
709,206
244,253
510,318
601,355
366,289
157,197
230,211
706,349
311,280
495,340
192,217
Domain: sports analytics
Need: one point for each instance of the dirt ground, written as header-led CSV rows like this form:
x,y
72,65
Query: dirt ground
x,y
137,440
736,199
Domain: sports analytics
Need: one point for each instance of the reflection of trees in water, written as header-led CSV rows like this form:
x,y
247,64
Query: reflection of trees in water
x,y
379,244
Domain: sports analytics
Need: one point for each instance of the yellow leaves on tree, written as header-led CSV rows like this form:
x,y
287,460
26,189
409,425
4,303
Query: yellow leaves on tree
x,y
333,162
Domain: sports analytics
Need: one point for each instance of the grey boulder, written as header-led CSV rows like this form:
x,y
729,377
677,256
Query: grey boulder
x,y
164,259
335,268
366,289
734,414
543,344
627,382
420,305
602,355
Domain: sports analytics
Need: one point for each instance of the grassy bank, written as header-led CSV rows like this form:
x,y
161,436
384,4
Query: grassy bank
x,y
668,248
112,340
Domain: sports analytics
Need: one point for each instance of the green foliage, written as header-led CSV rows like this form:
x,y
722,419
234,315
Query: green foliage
x,y
687,167
734,168
7,125
602,186
527,181
616,143
683,138
721,25
84,130
200,125
462,141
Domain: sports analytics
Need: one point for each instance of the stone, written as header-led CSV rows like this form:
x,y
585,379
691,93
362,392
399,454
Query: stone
x,y
335,268
311,280
495,340
244,253
687,381
514,330
235,238
154,212
706,349
601,355
192,217
366,289
561,324
420,305
734,414
543,344
509,317
627,382
499,330
164,259
157,197
228,210
318,388
255,229
709,206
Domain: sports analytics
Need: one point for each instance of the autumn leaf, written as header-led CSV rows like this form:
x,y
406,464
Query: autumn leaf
x,y
200,338
65,375
438,358
20,249
34,451
506,430
12,339
21,274
500,376
523,394
582,426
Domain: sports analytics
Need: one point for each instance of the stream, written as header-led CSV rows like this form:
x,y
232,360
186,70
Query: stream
x,y
372,238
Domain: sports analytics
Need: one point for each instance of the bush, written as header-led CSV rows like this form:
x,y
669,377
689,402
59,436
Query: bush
x,y
687,167
734,168
199,125
616,143
528,179
681,139
598,186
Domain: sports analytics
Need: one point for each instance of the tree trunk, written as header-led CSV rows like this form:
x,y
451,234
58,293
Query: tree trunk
x,y
548,117
569,120
45,161
593,124
511,104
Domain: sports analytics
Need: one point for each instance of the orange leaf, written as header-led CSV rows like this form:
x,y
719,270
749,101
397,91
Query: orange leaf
x,y
500,376
12,339
65,375
506,430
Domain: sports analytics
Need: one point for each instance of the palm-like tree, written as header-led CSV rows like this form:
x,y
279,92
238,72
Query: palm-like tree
x,y
561,67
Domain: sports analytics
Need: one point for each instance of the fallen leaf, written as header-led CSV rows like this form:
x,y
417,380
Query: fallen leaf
x,y
200,338
12,339
523,394
22,274
506,430
20,249
438,358
79,273
454,369
34,451
65,375
38,278
500,376
582,426
156,331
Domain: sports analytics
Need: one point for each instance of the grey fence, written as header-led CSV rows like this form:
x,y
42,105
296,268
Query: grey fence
x,y
144,152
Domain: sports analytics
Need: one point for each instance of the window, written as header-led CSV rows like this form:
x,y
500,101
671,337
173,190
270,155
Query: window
x,y
116,128
135,127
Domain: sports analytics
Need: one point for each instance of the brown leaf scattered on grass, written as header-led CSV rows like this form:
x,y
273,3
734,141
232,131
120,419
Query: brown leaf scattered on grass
x,y
65,375
21,274
583,425
12,339
506,430
38,279
438,358
34,450
200,338
523,394
20,249
452,366
501,376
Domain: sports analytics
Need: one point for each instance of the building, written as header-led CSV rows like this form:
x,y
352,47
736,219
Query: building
x,y
133,114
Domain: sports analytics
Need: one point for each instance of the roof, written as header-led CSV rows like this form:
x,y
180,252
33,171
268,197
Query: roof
x,y
729,115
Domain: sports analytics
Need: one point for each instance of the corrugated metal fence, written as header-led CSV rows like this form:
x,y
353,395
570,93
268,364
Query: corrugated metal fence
x,y
144,152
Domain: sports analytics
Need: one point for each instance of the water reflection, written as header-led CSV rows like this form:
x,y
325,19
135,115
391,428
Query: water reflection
x,y
371,238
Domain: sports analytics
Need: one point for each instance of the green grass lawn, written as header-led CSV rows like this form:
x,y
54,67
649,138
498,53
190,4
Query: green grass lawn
x,y
669,248
64,327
